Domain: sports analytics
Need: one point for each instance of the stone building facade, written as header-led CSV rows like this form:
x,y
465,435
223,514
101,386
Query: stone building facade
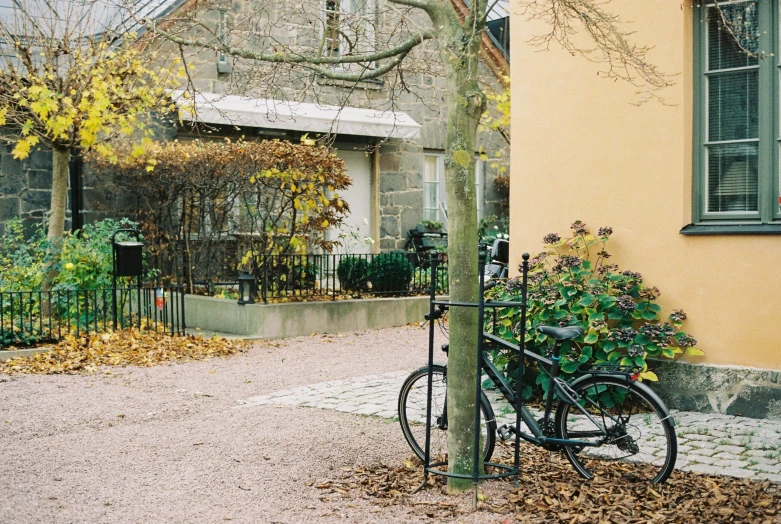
x,y
398,169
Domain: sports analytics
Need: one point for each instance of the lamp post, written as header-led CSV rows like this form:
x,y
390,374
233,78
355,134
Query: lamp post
x,y
127,261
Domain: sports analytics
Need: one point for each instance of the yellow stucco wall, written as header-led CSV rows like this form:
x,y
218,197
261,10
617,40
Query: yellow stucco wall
x,y
581,150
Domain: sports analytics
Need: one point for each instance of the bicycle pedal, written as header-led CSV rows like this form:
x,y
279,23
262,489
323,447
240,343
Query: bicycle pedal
x,y
505,432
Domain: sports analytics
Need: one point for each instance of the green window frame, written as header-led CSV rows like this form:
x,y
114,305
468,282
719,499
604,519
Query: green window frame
x,y
736,114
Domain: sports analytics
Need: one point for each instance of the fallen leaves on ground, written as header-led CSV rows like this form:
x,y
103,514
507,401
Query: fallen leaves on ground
x,y
550,491
130,347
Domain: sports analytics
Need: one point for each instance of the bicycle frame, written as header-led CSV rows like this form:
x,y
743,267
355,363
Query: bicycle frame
x,y
538,437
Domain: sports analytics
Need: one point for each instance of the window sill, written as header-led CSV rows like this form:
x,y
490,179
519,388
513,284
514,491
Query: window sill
x,y
731,229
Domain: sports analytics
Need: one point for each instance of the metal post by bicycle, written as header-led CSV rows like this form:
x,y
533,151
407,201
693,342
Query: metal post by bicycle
x,y
504,469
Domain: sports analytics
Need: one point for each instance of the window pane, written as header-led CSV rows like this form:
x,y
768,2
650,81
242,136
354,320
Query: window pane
x,y
779,185
430,174
728,43
733,105
430,195
332,23
732,178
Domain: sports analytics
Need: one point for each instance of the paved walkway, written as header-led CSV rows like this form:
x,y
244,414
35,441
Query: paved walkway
x,y
707,443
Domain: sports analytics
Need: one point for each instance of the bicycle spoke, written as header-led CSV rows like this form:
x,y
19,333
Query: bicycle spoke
x,y
636,444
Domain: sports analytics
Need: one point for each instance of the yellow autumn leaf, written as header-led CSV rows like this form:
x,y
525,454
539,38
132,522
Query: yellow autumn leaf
x,y
649,375
23,146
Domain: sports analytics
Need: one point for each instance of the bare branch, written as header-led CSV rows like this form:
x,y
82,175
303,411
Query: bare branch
x,y
294,58
419,4
623,59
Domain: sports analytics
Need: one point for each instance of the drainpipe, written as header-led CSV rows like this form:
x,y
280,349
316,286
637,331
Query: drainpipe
x,y
374,204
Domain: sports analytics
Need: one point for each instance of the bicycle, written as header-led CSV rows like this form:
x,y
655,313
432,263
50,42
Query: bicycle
x,y
593,423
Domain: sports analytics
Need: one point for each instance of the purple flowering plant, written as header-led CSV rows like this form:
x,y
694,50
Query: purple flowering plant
x,y
571,283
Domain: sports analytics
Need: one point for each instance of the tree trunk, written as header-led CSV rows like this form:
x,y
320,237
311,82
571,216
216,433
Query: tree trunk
x,y
60,160
466,103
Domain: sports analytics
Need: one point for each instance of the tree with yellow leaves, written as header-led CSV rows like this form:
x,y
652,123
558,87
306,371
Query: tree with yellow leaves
x,y
73,76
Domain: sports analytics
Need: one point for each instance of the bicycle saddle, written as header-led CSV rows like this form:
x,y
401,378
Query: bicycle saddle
x,y
561,333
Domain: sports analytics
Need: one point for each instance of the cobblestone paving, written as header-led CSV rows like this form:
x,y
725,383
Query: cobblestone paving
x,y
707,443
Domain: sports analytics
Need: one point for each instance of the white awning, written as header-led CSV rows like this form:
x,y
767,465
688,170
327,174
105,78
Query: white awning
x,y
241,111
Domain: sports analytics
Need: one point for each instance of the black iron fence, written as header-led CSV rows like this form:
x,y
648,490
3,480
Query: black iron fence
x,y
332,276
29,317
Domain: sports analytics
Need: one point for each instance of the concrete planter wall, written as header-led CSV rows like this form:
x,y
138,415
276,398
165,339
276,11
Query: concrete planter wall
x,y
272,321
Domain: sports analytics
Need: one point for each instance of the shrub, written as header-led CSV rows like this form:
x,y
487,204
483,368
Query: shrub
x,y
390,273
82,260
291,273
353,273
571,283
212,207
14,336
422,279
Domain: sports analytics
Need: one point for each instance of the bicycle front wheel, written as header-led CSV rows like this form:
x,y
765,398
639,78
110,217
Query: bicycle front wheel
x,y
635,436
412,414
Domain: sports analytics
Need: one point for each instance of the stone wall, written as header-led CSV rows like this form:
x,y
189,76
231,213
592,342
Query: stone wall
x,y
25,187
730,390
423,98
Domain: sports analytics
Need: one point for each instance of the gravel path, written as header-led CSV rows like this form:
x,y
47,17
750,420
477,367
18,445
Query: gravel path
x,y
229,439
166,444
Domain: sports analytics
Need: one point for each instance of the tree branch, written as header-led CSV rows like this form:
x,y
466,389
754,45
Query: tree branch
x,y
286,58
419,4
623,59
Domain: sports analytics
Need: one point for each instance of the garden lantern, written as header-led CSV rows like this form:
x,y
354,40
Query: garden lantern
x,y
127,255
246,288
127,261
128,258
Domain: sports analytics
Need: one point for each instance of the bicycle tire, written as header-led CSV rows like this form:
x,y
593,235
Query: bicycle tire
x,y
412,414
642,444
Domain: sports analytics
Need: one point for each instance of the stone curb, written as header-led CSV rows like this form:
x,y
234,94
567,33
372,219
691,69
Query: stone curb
x,y
6,355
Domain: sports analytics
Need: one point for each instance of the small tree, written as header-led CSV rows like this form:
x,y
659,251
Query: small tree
x,y
355,46
66,83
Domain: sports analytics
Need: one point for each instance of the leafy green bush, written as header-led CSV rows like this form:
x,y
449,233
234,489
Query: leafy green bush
x,y
288,273
79,262
353,273
11,336
390,273
82,261
571,283
23,258
422,279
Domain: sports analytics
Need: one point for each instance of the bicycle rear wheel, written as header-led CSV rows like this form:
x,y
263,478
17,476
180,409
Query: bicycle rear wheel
x,y
637,436
412,414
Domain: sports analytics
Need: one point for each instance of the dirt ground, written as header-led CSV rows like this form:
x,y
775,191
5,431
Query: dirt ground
x,y
174,443
166,444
